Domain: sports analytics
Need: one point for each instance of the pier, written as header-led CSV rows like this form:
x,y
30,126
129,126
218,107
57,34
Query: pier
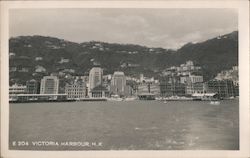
x,y
37,97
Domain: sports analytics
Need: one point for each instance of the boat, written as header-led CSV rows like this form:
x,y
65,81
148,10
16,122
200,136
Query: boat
x,y
130,98
215,102
115,98
204,96
146,96
32,99
159,98
177,98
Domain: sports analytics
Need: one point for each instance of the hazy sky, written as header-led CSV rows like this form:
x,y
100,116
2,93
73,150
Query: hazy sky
x,y
168,28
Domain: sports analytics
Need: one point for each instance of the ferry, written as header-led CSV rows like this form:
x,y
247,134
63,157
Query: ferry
x,y
146,96
177,98
115,98
130,99
204,96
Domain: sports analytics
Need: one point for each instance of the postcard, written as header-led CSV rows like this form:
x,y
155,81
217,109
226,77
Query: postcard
x,y
125,79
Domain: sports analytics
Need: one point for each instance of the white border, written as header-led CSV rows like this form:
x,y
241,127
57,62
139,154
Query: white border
x,y
243,9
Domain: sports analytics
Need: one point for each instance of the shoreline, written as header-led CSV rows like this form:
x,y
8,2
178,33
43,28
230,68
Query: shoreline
x,y
105,100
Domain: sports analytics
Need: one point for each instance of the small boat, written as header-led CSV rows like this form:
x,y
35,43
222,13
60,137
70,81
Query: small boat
x,y
115,98
130,99
165,102
215,102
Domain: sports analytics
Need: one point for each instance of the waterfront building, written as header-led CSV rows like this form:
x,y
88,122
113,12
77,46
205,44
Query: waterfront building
x,y
32,87
106,81
99,92
192,88
76,90
17,89
193,84
153,88
146,96
129,91
95,77
224,88
131,87
172,87
49,85
118,83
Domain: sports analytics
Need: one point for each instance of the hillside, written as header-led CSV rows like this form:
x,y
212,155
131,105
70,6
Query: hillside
x,y
58,55
213,55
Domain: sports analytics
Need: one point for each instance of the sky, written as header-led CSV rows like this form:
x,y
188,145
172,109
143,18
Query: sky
x,y
166,28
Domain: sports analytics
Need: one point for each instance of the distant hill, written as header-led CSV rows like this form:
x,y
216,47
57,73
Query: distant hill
x,y
213,55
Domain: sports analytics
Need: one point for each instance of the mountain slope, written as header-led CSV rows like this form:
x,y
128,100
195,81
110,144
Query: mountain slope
x,y
213,55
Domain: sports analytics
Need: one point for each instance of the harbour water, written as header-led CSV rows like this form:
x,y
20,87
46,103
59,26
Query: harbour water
x,y
131,125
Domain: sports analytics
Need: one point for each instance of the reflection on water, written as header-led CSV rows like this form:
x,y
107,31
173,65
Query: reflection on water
x,y
134,125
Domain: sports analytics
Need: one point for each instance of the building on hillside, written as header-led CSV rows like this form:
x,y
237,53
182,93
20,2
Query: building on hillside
x,y
191,79
235,68
188,66
40,69
182,70
19,68
33,87
20,64
63,60
76,90
38,58
49,85
12,55
232,74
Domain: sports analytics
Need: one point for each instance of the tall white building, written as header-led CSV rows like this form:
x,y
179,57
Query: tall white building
x,y
118,83
49,85
95,77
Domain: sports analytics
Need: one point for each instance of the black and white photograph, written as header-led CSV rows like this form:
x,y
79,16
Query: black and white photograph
x,y
125,79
